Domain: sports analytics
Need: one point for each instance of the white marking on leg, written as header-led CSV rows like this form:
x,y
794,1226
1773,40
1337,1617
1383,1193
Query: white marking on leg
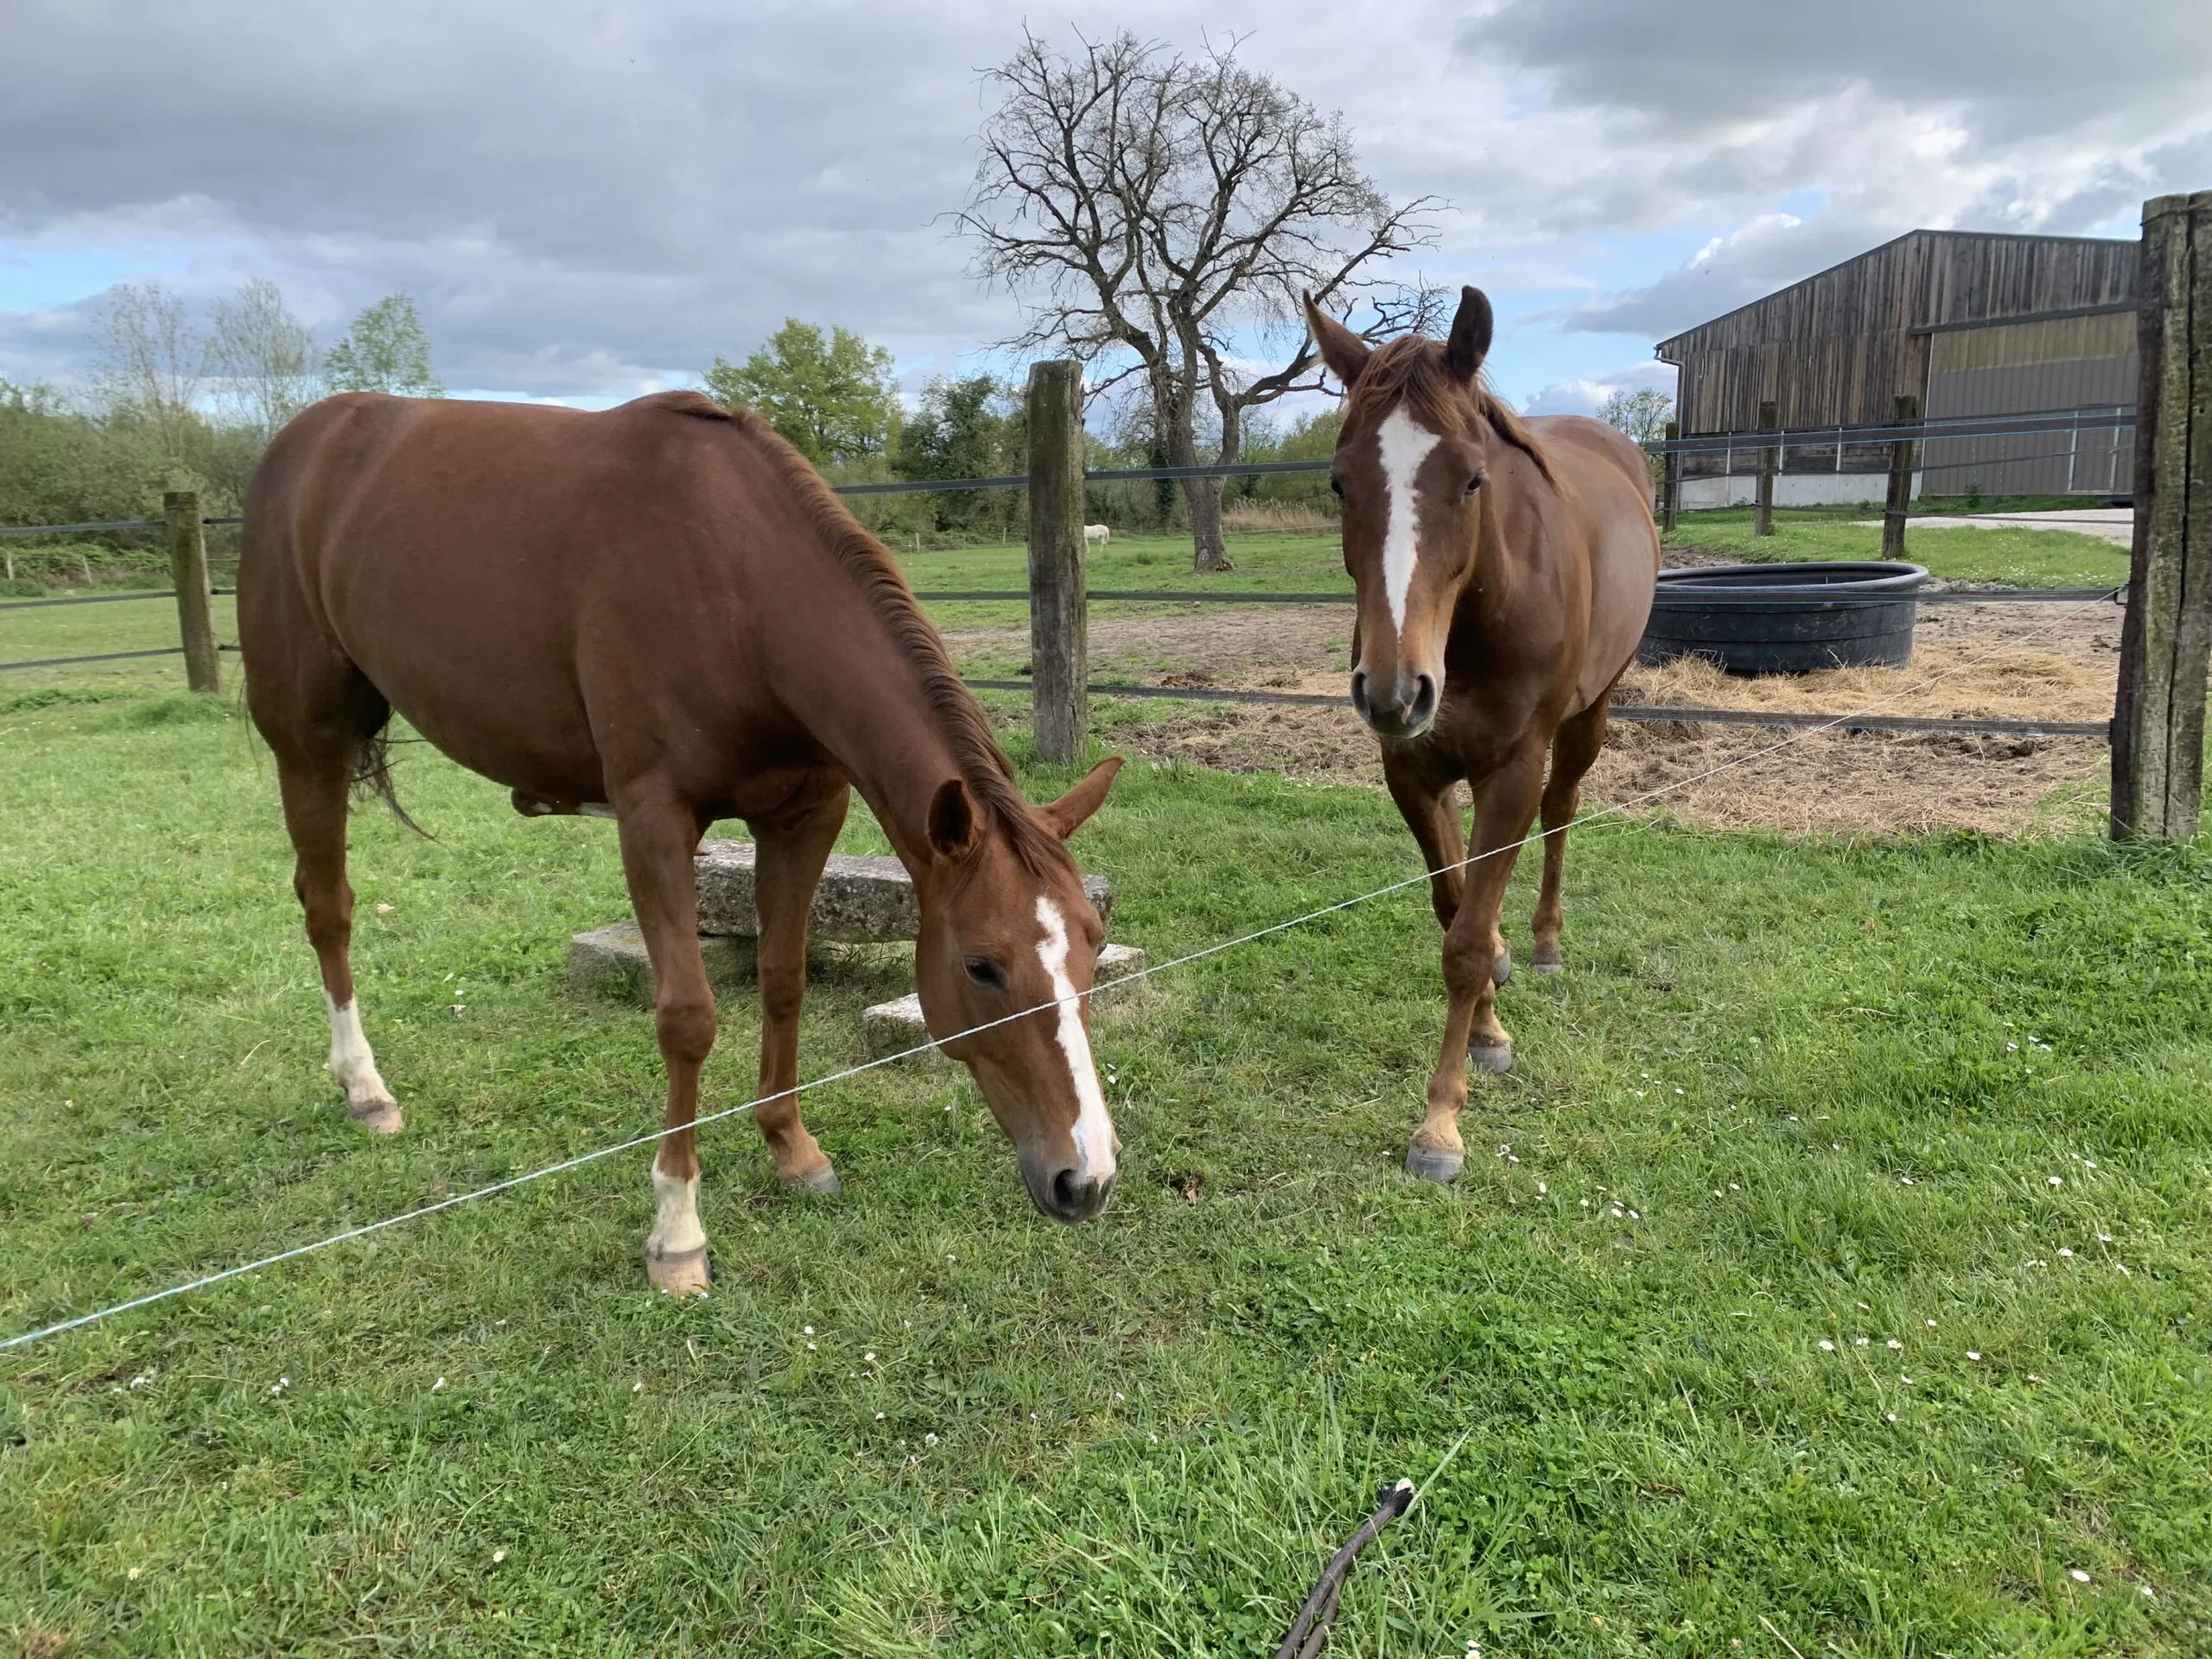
x,y
675,1226
1094,1130
1405,444
351,1061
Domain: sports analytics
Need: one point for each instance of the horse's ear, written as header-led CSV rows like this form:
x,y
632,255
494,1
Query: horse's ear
x,y
1069,814
1471,330
955,825
1346,352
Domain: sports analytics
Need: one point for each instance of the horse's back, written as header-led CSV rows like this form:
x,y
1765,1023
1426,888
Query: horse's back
x,y
499,571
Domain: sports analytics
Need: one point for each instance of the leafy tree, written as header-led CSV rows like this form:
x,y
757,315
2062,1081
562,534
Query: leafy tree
x,y
964,428
265,356
1156,209
385,350
831,396
151,365
1641,414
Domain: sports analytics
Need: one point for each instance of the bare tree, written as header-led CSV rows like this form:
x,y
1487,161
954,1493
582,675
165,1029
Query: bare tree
x,y
264,356
152,362
1142,202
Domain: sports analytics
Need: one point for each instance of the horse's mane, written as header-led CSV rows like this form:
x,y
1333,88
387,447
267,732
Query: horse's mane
x,y
1413,367
982,763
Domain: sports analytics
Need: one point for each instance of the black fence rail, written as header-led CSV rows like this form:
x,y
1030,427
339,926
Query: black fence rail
x,y
1905,436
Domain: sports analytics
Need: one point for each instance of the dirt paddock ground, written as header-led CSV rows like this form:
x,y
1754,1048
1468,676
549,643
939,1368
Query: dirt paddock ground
x,y
2044,662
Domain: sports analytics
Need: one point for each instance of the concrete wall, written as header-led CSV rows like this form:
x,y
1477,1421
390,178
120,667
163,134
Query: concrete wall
x,y
1791,490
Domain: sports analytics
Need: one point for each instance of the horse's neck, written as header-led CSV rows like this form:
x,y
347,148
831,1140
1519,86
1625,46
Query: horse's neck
x,y
863,700
1486,604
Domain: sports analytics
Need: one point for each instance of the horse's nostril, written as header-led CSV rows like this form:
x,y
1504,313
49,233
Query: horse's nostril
x,y
1075,1198
1424,698
1359,690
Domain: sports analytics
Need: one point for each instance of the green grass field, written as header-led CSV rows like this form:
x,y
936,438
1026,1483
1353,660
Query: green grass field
x,y
1829,1277
2026,558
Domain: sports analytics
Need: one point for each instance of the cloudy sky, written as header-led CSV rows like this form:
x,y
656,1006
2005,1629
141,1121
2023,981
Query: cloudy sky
x,y
590,201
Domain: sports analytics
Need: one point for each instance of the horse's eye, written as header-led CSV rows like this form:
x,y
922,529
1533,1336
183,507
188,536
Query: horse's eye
x,y
1335,486
985,972
1474,483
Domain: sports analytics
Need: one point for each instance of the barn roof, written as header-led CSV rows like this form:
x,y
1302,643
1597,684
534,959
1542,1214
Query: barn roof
x,y
2093,274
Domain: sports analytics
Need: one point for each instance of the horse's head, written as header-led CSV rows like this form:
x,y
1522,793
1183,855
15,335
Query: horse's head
x,y
1006,931
1411,458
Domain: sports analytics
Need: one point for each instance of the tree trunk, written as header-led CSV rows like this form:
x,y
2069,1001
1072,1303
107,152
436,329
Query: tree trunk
x,y
1208,555
1210,552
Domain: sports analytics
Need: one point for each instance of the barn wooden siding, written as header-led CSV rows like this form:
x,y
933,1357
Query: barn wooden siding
x,y
1839,347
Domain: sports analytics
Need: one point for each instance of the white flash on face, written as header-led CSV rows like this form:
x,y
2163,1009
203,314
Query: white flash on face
x,y
1094,1130
1405,444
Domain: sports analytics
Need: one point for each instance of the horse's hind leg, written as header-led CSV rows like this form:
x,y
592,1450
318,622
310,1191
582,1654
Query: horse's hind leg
x,y
314,780
1574,749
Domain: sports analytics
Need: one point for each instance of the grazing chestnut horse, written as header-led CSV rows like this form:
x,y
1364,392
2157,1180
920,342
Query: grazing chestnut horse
x,y
661,612
1505,570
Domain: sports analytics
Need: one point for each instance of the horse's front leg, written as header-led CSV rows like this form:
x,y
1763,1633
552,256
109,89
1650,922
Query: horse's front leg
x,y
1473,948
659,834
1420,781
793,848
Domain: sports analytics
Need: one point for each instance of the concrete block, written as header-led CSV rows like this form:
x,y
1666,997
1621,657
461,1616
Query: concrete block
x,y
611,962
893,1027
1115,963
860,900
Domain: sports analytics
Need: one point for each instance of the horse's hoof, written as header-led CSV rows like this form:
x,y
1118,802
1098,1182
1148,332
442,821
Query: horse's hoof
x,y
823,1181
1502,969
1547,961
376,1116
682,1274
1496,1059
1434,1163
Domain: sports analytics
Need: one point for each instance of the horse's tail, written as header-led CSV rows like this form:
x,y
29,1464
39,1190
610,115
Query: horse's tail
x,y
372,772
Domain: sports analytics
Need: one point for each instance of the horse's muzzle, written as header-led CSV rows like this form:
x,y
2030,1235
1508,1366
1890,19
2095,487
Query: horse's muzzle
x,y
1405,709
1065,1195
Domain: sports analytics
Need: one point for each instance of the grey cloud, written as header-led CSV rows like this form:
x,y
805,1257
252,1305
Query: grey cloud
x,y
2025,66
581,197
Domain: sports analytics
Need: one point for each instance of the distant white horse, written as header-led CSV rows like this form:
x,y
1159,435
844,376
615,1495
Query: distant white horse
x,y
1098,533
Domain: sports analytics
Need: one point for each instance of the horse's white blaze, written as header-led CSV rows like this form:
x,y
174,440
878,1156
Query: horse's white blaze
x,y
351,1063
1094,1130
1405,444
677,1230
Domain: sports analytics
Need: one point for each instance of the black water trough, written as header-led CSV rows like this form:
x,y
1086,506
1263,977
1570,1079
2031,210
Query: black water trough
x,y
1786,618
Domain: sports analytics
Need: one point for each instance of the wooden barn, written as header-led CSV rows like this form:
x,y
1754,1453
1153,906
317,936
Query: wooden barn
x,y
1971,323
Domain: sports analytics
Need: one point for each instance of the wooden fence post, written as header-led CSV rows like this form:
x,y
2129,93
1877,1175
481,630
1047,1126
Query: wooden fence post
x,y
188,575
2158,729
1900,496
1670,481
1060,656
1762,512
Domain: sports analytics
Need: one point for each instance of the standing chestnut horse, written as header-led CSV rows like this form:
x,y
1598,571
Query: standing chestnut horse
x,y
1505,571
661,611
